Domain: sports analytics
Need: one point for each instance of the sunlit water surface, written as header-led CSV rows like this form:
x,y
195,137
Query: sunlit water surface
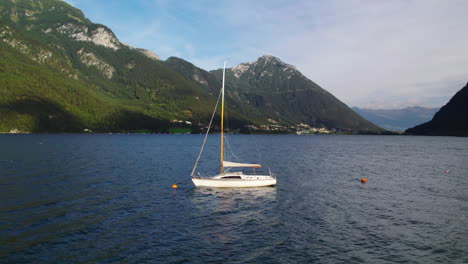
x,y
108,199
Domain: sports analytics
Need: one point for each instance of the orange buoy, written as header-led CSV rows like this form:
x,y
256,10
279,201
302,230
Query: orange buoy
x,y
174,186
363,180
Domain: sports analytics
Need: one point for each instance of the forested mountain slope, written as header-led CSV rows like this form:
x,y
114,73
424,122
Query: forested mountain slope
x,y
63,73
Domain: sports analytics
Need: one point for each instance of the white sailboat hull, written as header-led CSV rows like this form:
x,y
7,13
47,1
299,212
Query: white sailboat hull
x,y
245,181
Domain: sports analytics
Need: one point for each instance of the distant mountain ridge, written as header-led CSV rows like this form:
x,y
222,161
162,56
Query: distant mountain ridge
x,y
450,120
284,95
397,119
269,89
63,73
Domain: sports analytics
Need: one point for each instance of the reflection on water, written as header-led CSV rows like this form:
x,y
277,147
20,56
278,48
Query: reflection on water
x,y
231,209
248,194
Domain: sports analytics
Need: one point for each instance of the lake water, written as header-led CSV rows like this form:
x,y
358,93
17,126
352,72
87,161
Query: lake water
x,y
108,199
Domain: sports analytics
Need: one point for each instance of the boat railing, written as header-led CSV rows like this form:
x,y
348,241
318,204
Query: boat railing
x,y
256,171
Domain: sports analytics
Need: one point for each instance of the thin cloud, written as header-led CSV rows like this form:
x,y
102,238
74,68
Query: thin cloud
x,y
360,50
364,52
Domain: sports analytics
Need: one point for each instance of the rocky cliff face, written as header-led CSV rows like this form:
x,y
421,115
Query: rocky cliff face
x,y
91,59
8,36
101,36
451,120
55,17
266,65
149,54
43,54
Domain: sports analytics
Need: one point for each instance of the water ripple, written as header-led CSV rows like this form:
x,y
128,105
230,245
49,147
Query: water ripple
x,y
107,199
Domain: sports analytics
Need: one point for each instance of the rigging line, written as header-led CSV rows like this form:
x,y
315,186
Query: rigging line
x,y
227,139
230,149
206,137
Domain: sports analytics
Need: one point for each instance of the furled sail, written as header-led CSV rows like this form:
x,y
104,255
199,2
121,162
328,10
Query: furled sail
x,y
244,165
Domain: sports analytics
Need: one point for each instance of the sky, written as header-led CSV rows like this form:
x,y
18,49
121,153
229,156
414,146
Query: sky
x,y
368,53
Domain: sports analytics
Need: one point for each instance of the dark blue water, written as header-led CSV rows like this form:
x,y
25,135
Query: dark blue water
x,y
108,199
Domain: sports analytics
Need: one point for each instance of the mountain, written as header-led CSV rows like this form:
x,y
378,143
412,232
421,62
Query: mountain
x,y
451,120
63,73
60,72
269,89
397,119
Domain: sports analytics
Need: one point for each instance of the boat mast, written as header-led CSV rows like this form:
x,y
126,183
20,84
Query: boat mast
x,y
221,143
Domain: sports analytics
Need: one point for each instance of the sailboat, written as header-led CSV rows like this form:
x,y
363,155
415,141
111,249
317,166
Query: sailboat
x,y
227,177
